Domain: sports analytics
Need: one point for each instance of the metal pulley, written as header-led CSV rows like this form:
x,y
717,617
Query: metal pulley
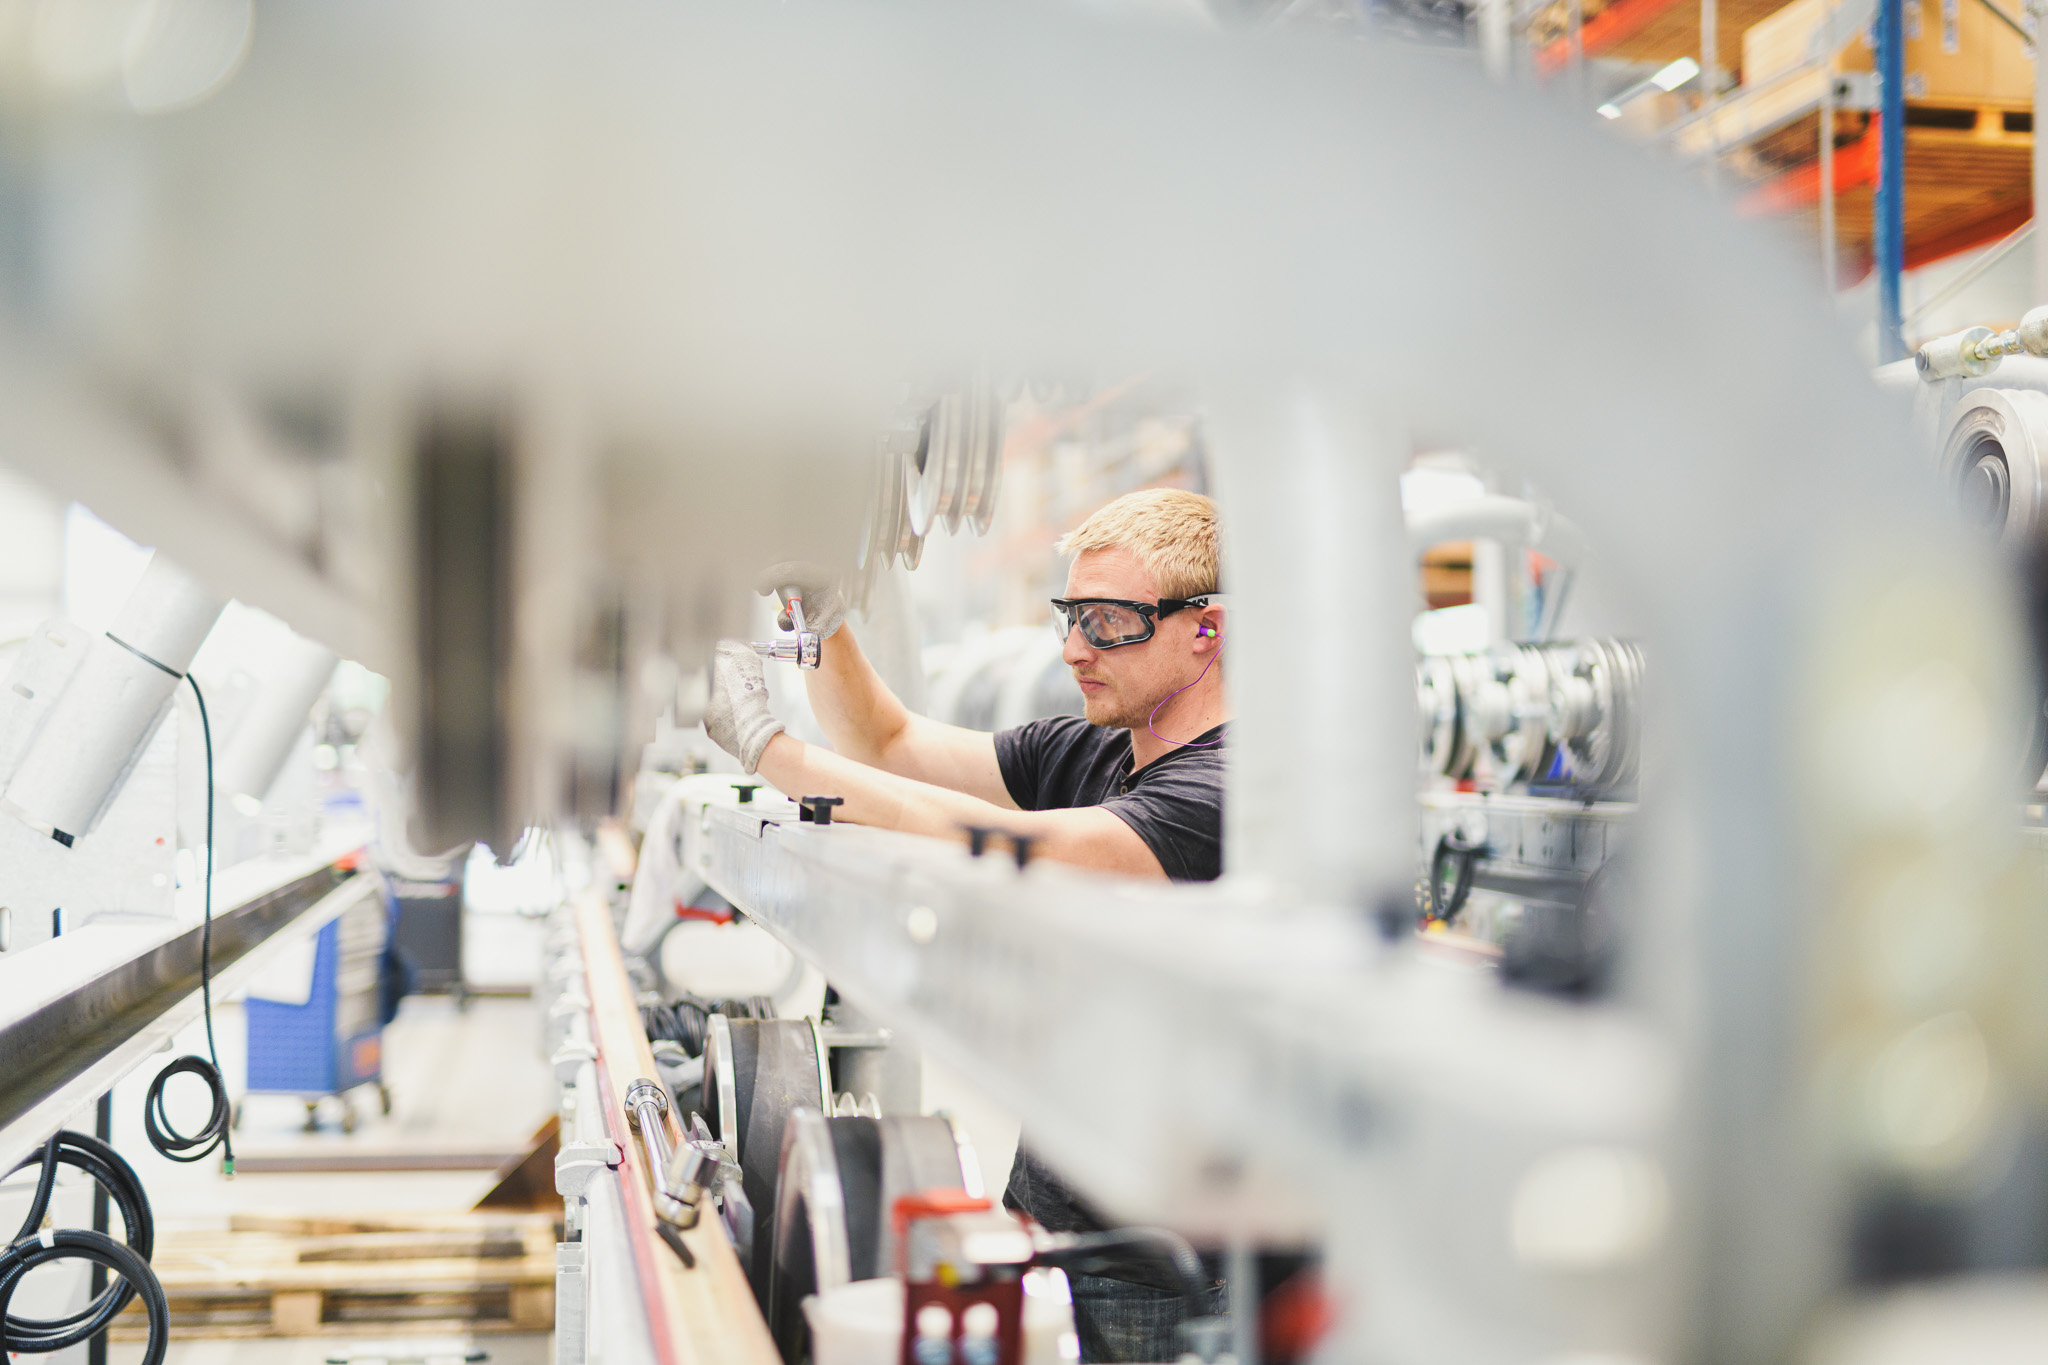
x,y
757,1072
837,1181
1596,713
1994,461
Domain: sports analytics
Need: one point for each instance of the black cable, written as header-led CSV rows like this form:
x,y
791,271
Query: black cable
x,y
113,1174
137,1279
156,1120
686,1019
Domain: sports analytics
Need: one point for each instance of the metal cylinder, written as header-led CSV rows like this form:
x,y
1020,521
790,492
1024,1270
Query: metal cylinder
x,y
1955,356
113,703
293,679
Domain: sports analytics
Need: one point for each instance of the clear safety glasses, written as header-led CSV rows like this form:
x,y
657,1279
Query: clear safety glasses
x,y
1107,622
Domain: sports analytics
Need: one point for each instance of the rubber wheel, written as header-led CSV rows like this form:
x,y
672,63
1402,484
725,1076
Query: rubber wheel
x,y
874,1162
348,1117
312,1116
235,1118
384,1098
774,1071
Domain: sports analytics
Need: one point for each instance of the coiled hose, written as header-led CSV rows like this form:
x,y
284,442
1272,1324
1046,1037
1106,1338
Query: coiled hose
x,y
130,1263
683,1020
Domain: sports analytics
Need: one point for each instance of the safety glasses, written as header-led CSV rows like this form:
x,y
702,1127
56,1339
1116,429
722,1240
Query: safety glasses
x,y
1107,622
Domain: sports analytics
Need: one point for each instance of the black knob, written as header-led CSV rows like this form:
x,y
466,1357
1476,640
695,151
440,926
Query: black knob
x,y
1022,844
818,809
977,838
746,790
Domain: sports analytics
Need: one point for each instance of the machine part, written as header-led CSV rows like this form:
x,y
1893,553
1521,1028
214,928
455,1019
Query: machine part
x,y
572,1303
827,1200
295,673
1994,459
838,1177
646,1103
1596,715
93,732
882,536
138,1281
112,1174
757,1072
1976,351
1518,747
1450,876
985,475
936,478
692,1175
1436,699
801,647
1960,355
817,810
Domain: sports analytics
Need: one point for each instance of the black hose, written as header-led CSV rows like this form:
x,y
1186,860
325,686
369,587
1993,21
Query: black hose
x,y
686,1019
220,1120
156,1120
113,1173
1077,1251
68,1244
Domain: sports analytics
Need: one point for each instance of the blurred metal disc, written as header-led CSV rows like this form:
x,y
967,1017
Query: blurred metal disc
x,y
921,470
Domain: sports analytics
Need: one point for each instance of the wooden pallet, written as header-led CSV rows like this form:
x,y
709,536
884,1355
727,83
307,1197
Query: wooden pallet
x,y
269,1276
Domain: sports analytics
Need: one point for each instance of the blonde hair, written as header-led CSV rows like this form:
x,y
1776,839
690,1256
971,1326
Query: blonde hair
x,y
1172,531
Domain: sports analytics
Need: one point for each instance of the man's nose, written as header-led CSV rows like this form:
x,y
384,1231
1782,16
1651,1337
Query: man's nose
x,y
1076,650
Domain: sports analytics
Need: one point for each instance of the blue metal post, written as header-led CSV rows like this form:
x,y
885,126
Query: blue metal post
x,y
1888,243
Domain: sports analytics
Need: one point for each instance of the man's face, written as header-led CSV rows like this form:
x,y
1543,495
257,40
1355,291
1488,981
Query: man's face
x,y
1121,686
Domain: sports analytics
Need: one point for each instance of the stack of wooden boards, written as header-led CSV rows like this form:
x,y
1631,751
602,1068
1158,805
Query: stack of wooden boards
x,y
268,1276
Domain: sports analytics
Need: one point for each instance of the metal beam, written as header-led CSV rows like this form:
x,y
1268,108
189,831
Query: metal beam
x,y
1217,1057
59,1056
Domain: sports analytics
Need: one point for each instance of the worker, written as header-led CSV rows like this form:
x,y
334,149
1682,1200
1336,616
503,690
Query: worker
x,y
1133,786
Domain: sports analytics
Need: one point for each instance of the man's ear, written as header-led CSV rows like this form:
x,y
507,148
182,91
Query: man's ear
x,y
1210,625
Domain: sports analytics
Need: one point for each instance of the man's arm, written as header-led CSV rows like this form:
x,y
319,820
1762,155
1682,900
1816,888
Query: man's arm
x,y
1087,836
865,722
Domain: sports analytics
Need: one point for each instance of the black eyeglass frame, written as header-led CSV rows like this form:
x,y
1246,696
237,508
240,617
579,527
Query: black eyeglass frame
x,y
1152,613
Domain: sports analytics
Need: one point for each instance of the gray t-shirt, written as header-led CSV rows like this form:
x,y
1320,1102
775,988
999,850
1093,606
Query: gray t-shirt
x,y
1175,804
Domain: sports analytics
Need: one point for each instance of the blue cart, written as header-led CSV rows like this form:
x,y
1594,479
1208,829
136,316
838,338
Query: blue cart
x,y
334,1042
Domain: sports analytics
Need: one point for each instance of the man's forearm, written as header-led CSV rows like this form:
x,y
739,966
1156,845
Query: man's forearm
x,y
854,707
1089,836
871,796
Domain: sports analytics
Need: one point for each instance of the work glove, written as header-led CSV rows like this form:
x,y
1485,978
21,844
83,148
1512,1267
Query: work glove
x,y
824,602
736,715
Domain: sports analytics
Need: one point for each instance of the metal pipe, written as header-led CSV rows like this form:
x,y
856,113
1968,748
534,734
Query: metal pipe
x,y
1829,270
106,714
1889,227
646,1103
1511,520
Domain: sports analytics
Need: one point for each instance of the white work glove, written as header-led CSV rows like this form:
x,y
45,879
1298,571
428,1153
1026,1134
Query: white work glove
x,y
824,602
736,716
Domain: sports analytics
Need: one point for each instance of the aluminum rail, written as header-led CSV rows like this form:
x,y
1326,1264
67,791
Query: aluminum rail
x,y
1210,1058
62,1054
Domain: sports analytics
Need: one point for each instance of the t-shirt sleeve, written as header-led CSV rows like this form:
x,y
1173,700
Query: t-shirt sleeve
x,y
1178,812
1027,752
